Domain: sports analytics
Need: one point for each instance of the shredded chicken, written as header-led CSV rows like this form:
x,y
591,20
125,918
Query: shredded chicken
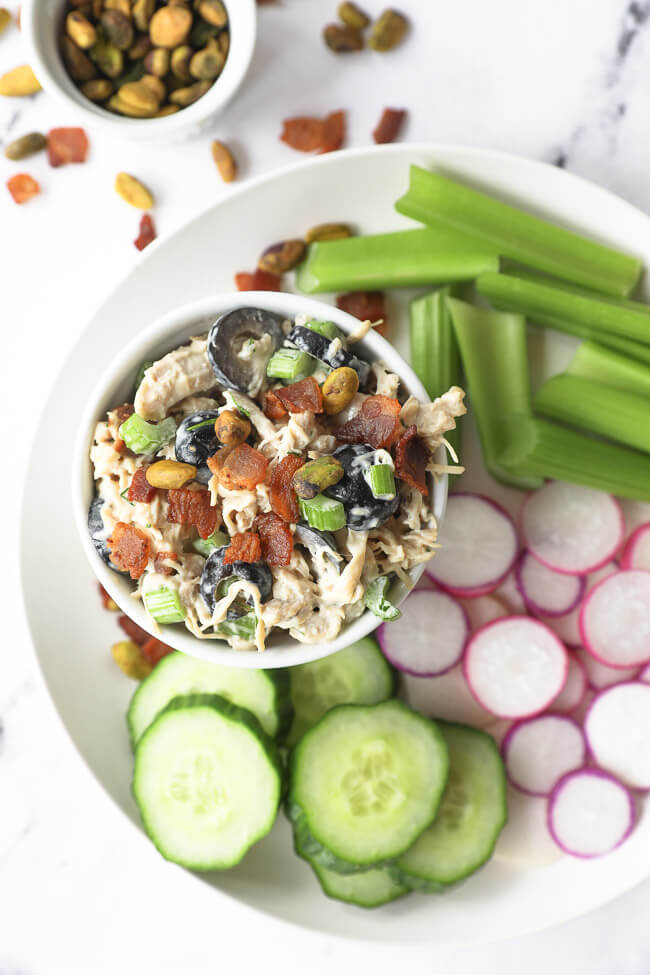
x,y
184,372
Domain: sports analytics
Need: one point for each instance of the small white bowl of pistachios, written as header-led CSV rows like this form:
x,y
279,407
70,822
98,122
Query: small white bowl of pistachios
x,y
142,69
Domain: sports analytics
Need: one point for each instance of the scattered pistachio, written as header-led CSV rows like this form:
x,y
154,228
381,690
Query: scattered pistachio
x,y
140,47
170,474
122,6
117,104
342,39
316,475
19,81
157,61
339,389
388,30
155,86
224,42
98,90
180,63
206,65
25,146
231,428
170,26
353,16
166,110
117,29
129,658
80,29
186,96
133,191
143,11
282,257
225,161
5,19
108,58
214,12
139,96
80,67
328,231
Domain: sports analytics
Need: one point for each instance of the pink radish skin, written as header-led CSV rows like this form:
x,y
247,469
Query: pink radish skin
x,y
574,690
567,627
599,676
544,591
590,813
617,726
615,620
572,529
447,697
515,667
636,554
635,513
509,594
478,547
644,676
537,752
484,610
430,636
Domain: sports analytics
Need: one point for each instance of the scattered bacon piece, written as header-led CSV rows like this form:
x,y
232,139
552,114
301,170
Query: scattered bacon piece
x,y
147,232
107,601
309,134
159,562
258,281
389,125
67,145
116,418
154,650
334,132
133,631
244,547
239,469
187,507
301,396
23,187
411,459
139,488
284,501
366,306
376,423
276,538
130,549
273,407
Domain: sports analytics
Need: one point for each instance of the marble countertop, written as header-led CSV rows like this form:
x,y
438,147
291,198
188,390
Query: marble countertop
x,y
565,81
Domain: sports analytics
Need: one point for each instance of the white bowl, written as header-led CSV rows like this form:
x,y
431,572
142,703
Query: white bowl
x,y
41,24
115,385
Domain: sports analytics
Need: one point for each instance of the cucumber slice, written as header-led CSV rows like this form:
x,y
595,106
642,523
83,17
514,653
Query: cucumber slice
x,y
264,692
207,782
365,782
472,813
371,888
360,674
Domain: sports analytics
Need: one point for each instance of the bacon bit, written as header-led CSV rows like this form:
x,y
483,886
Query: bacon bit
x,y
187,507
130,549
159,562
154,650
139,488
244,547
258,281
411,459
273,407
107,601
366,306
376,423
133,631
68,145
309,134
389,125
23,187
239,469
276,538
334,132
301,396
116,418
147,232
281,492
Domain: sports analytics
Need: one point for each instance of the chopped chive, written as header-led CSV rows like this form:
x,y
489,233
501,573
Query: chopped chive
x,y
125,494
381,481
599,364
328,329
141,371
376,599
204,546
240,409
203,423
326,514
146,438
164,605
289,364
244,627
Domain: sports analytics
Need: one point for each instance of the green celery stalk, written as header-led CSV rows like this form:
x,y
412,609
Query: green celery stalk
x,y
550,450
600,409
535,299
434,349
403,259
601,365
493,351
437,200
627,347
576,289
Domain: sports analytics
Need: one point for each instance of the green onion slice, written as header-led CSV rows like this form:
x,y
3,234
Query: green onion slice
x,y
381,480
147,438
377,601
164,605
204,546
289,364
325,514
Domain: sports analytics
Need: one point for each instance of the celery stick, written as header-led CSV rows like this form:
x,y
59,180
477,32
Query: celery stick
x,y
493,352
549,450
600,409
434,350
627,347
534,299
404,259
600,365
437,200
576,289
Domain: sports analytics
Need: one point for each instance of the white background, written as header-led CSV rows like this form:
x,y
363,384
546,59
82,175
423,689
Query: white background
x,y
80,892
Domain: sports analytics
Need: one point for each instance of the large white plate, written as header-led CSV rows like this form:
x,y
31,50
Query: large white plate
x,y
71,635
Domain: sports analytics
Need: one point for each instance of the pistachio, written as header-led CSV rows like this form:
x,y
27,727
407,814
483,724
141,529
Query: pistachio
x,y
129,658
25,146
316,475
353,16
342,39
328,231
214,12
122,6
186,96
5,19
180,62
117,29
224,42
155,86
108,58
117,104
139,96
80,67
143,11
80,29
339,389
19,81
225,161
157,61
170,26
201,33
133,191
231,428
206,65
170,474
282,257
167,110
134,73
141,46
98,90
388,30
97,8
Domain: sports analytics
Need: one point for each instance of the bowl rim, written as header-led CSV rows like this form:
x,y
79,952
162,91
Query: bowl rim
x,y
241,13
165,331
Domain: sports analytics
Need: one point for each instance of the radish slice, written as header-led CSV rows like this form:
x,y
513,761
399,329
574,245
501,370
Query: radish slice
x,y
525,840
484,610
566,627
580,712
539,751
572,529
430,636
636,554
545,591
509,594
574,688
447,697
478,546
515,667
644,676
600,676
635,513
617,727
590,813
615,619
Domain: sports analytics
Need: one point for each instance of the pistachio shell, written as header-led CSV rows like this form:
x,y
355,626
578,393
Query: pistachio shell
x,y
170,26
231,428
224,42
143,11
117,104
108,58
133,191
140,47
180,62
201,33
79,66
167,110
98,90
214,12
139,96
353,16
134,73
328,231
339,389
155,86
388,30
19,81
157,61
117,29
206,65
129,658
80,29
316,475
170,474
5,19
25,146
225,161
186,96
122,6
282,257
342,39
